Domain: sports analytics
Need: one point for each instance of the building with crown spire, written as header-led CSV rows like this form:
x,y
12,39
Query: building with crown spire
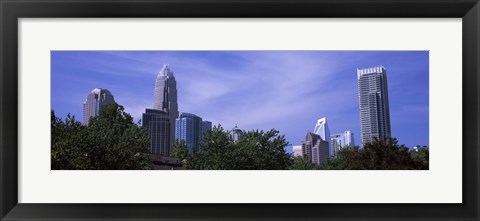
x,y
95,99
166,106
321,129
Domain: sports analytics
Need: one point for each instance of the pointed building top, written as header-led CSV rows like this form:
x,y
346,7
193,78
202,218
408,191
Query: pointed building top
x,y
165,71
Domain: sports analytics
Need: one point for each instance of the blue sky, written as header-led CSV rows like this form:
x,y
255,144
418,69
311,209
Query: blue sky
x,y
285,90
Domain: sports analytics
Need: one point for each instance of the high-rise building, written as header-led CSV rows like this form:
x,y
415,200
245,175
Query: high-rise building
x,y
373,102
321,129
157,123
348,138
95,99
315,148
336,141
342,140
206,126
165,99
190,128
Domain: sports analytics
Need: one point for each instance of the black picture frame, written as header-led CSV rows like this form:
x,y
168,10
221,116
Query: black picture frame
x,y
12,10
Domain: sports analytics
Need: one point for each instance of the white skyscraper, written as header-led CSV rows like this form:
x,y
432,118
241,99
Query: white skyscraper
x,y
321,129
342,140
165,99
97,98
373,103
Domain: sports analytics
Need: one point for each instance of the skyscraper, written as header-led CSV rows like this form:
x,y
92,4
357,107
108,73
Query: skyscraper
x,y
342,140
315,148
373,102
165,99
157,123
190,128
97,98
206,126
321,129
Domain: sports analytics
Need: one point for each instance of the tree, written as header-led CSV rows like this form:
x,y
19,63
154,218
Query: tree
x,y
380,154
347,158
179,150
111,141
386,154
420,158
301,163
255,150
65,152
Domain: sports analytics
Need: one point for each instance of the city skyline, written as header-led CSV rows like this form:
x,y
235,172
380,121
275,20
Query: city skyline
x,y
255,89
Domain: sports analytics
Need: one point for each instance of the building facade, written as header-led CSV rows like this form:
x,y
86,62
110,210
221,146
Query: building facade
x,y
236,133
165,99
342,140
373,103
190,128
95,99
297,150
157,123
206,126
321,129
315,148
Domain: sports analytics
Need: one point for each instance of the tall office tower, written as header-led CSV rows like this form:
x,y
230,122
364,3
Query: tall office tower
x,y
157,123
315,148
373,102
165,98
337,140
321,128
348,138
97,98
236,133
342,140
206,126
189,127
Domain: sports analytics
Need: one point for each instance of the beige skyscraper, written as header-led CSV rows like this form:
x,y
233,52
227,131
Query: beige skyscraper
x,y
95,99
164,99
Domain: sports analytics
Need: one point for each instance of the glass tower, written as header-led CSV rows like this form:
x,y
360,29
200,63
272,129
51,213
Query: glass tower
x,y
190,128
165,99
373,102
157,123
97,98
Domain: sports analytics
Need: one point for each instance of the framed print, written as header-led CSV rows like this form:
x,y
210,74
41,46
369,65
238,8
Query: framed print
x,y
319,110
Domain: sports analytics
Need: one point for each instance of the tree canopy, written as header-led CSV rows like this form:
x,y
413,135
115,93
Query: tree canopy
x,y
380,154
255,150
111,141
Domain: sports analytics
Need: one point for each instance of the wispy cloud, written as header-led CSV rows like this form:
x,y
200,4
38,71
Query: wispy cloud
x,y
287,90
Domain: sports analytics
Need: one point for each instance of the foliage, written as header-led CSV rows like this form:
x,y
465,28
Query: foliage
x,y
111,141
380,154
301,163
420,158
255,150
179,150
